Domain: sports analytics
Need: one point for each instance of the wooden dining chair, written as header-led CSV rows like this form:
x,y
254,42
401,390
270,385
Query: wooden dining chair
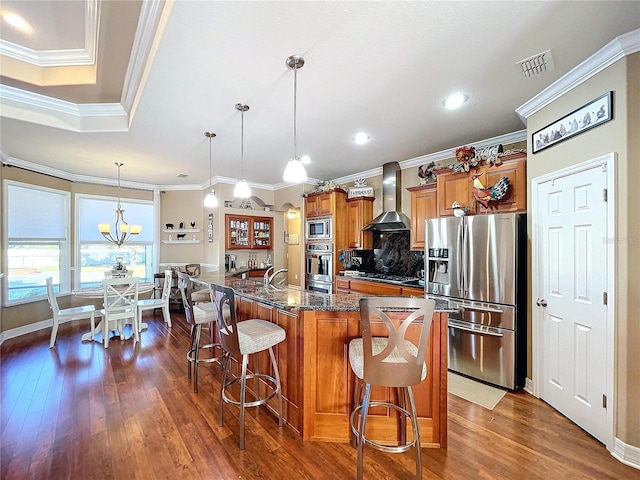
x,y
67,313
120,307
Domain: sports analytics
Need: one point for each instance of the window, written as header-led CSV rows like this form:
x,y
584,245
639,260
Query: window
x,y
97,255
37,221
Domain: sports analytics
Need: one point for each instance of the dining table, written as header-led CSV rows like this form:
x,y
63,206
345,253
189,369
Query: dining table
x,y
98,292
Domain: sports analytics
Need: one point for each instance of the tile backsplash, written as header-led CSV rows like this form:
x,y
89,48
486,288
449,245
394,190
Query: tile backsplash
x,y
391,255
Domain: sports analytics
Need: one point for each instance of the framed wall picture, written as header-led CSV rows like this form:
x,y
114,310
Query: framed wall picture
x,y
590,115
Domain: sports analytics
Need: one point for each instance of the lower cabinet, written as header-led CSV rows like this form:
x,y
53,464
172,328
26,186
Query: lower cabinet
x,y
348,285
329,382
288,356
317,382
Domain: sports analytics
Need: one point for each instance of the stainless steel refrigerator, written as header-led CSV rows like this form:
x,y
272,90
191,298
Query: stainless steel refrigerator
x,y
479,263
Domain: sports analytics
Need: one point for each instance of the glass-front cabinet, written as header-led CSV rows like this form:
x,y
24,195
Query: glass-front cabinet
x,y
244,232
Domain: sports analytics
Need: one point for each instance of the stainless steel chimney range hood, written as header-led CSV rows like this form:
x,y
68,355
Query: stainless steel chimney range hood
x,y
391,219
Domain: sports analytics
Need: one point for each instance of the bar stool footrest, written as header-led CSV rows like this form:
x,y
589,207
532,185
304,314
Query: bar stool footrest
x,y
379,446
259,401
191,354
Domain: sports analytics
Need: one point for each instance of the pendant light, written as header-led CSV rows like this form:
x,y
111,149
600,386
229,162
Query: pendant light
x,y
123,230
210,201
242,190
295,172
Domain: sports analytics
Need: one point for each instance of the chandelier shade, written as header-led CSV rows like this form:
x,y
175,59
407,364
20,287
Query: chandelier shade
x,y
295,172
242,189
210,201
122,231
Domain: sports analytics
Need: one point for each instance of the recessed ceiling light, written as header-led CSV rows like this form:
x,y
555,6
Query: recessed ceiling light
x,y
17,22
305,159
361,138
455,100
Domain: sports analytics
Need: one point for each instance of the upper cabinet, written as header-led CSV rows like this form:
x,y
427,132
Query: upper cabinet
x,y
244,232
359,213
459,187
424,204
323,204
515,169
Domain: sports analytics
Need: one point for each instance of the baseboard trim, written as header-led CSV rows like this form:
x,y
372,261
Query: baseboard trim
x,y
528,386
32,327
627,454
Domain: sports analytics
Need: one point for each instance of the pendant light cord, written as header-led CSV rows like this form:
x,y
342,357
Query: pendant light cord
x,y
210,182
242,143
295,122
119,165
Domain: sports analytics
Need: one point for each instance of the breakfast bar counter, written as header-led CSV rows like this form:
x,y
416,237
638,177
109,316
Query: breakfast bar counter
x,y
317,383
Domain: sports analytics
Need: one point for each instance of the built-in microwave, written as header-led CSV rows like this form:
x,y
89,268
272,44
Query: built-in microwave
x,y
318,229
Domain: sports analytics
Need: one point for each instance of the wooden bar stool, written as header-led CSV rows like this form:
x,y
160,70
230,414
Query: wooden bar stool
x,y
244,338
389,359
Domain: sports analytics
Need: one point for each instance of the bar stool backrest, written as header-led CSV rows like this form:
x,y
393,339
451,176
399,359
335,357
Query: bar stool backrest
x,y
394,317
224,300
185,287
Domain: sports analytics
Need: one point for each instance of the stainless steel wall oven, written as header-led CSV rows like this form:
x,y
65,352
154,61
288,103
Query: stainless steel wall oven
x,y
319,267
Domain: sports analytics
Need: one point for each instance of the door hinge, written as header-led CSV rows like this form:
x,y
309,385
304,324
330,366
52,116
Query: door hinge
x,y
604,298
604,194
604,401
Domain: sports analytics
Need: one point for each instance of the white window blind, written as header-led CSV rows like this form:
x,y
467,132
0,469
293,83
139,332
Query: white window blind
x,y
36,213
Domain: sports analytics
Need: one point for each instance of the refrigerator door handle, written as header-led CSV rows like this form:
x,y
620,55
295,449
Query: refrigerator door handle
x,y
476,330
479,308
461,260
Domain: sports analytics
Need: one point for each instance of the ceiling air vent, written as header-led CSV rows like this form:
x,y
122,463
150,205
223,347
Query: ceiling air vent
x,y
537,65
182,175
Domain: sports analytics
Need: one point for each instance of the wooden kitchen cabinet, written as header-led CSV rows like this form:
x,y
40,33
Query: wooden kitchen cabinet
x,y
351,285
454,187
323,204
359,213
424,204
515,169
248,233
342,285
458,187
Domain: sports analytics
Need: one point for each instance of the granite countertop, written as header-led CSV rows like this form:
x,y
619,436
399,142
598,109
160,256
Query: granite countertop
x,y
289,297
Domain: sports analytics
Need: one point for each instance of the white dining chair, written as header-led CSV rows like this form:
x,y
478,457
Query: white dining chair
x,y
162,302
120,307
67,313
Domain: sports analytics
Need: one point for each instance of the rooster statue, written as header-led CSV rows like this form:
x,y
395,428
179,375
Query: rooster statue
x,y
488,195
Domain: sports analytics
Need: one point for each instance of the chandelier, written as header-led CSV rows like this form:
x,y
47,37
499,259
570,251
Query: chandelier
x,y
210,201
242,189
295,172
123,230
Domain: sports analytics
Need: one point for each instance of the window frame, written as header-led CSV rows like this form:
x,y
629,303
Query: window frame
x,y
64,267
78,197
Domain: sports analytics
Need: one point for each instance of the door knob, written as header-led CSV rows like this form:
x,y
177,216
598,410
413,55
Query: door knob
x,y
541,303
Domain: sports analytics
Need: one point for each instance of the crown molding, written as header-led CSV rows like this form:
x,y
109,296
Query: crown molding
x,y
97,117
507,138
143,50
66,57
90,117
612,52
72,177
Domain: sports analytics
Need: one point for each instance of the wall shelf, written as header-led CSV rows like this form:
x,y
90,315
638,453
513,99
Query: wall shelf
x,y
181,230
181,241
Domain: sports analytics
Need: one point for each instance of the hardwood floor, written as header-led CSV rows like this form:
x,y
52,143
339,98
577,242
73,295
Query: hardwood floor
x,y
79,411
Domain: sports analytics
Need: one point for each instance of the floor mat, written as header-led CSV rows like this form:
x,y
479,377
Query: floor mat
x,y
476,392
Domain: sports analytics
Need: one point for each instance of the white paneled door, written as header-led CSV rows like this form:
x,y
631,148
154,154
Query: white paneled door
x,y
571,218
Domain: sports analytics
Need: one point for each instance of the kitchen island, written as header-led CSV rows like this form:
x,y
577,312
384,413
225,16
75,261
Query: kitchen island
x,y
317,382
